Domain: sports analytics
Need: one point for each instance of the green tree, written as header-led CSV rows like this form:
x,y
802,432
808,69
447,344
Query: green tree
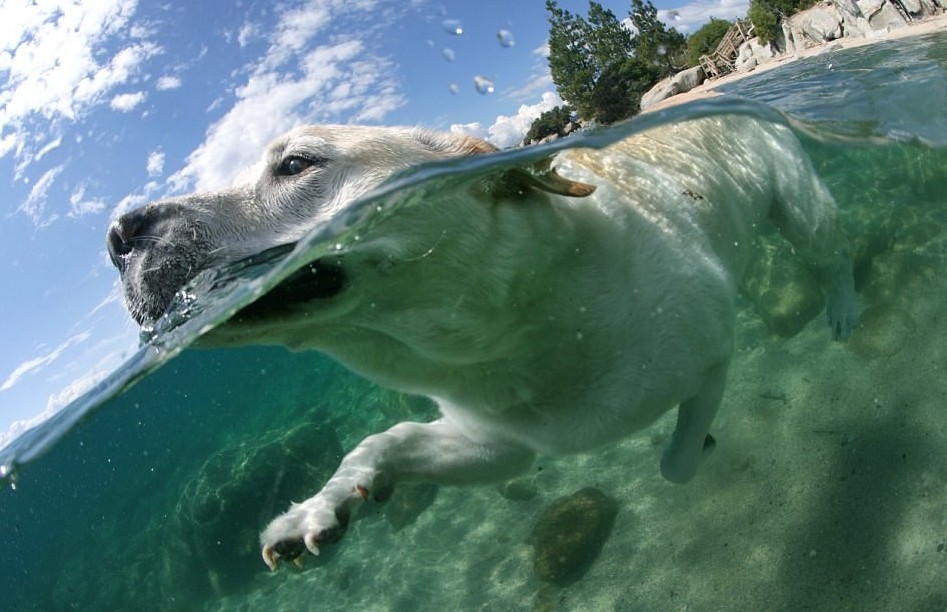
x,y
653,41
765,20
766,15
571,64
552,121
593,62
617,94
705,40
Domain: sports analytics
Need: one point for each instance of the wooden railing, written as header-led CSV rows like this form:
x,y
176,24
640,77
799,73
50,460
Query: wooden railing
x,y
723,60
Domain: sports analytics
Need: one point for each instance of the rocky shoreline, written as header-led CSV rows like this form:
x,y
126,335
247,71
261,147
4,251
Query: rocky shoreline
x,y
827,26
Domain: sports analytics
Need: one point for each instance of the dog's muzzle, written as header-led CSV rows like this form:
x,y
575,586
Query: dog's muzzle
x,y
157,251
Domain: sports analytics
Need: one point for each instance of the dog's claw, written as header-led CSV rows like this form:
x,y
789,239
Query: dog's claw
x,y
312,544
270,557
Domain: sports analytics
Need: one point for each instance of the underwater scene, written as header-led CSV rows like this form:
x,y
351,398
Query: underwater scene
x,y
827,489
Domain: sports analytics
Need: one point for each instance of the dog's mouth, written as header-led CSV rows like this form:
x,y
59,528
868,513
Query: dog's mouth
x,y
319,280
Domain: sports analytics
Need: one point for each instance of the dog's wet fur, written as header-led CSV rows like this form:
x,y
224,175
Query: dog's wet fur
x,y
547,311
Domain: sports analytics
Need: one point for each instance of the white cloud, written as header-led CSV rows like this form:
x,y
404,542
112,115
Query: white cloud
x,y
509,130
25,157
127,101
473,129
40,362
135,199
247,32
155,164
17,428
540,81
52,145
35,204
112,351
687,19
297,81
57,63
80,205
168,81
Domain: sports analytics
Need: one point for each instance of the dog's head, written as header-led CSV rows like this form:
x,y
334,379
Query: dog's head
x,y
304,179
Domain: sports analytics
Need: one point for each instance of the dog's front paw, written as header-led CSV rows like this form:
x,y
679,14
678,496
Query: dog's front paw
x,y
320,520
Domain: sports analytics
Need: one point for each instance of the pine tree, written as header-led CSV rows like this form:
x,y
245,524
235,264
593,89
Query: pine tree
x,y
653,41
583,52
570,63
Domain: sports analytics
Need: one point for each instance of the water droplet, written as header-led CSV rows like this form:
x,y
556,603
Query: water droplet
x,y
338,246
8,473
454,89
430,43
674,15
453,26
662,50
448,54
506,38
483,84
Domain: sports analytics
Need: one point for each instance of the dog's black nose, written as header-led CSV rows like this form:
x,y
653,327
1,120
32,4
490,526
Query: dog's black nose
x,y
118,245
122,236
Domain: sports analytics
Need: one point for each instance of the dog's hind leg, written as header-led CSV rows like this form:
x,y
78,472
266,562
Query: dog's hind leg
x,y
691,441
806,214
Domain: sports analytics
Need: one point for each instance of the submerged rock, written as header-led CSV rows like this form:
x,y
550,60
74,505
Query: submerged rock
x,y
211,547
883,331
569,535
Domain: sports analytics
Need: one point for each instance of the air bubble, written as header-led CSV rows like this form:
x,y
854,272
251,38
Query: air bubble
x,y
448,54
483,84
674,15
453,26
454,89
506,38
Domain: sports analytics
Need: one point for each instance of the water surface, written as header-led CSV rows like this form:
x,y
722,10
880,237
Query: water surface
x,y
828,490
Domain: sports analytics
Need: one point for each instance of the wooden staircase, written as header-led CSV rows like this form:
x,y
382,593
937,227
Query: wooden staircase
x,y
723,60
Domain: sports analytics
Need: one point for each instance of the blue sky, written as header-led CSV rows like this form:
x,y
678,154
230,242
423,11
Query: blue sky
x,y
107,105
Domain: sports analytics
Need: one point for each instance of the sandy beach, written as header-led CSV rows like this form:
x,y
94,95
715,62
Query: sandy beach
x,y
709,87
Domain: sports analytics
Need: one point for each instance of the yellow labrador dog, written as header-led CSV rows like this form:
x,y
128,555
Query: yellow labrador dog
x,y
547,311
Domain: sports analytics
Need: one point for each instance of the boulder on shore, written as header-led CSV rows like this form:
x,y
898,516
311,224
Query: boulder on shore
x,y
684,80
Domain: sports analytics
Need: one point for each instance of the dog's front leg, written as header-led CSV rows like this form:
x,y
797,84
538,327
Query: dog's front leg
x,y
428,452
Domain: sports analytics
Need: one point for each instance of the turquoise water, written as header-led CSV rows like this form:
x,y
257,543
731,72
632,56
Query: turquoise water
x,y
828,490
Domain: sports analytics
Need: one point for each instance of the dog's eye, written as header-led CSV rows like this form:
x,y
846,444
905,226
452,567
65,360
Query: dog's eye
x,y
293,165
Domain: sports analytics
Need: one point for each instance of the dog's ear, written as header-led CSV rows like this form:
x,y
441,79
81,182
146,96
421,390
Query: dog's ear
x,y
542,177
515,181
450,144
